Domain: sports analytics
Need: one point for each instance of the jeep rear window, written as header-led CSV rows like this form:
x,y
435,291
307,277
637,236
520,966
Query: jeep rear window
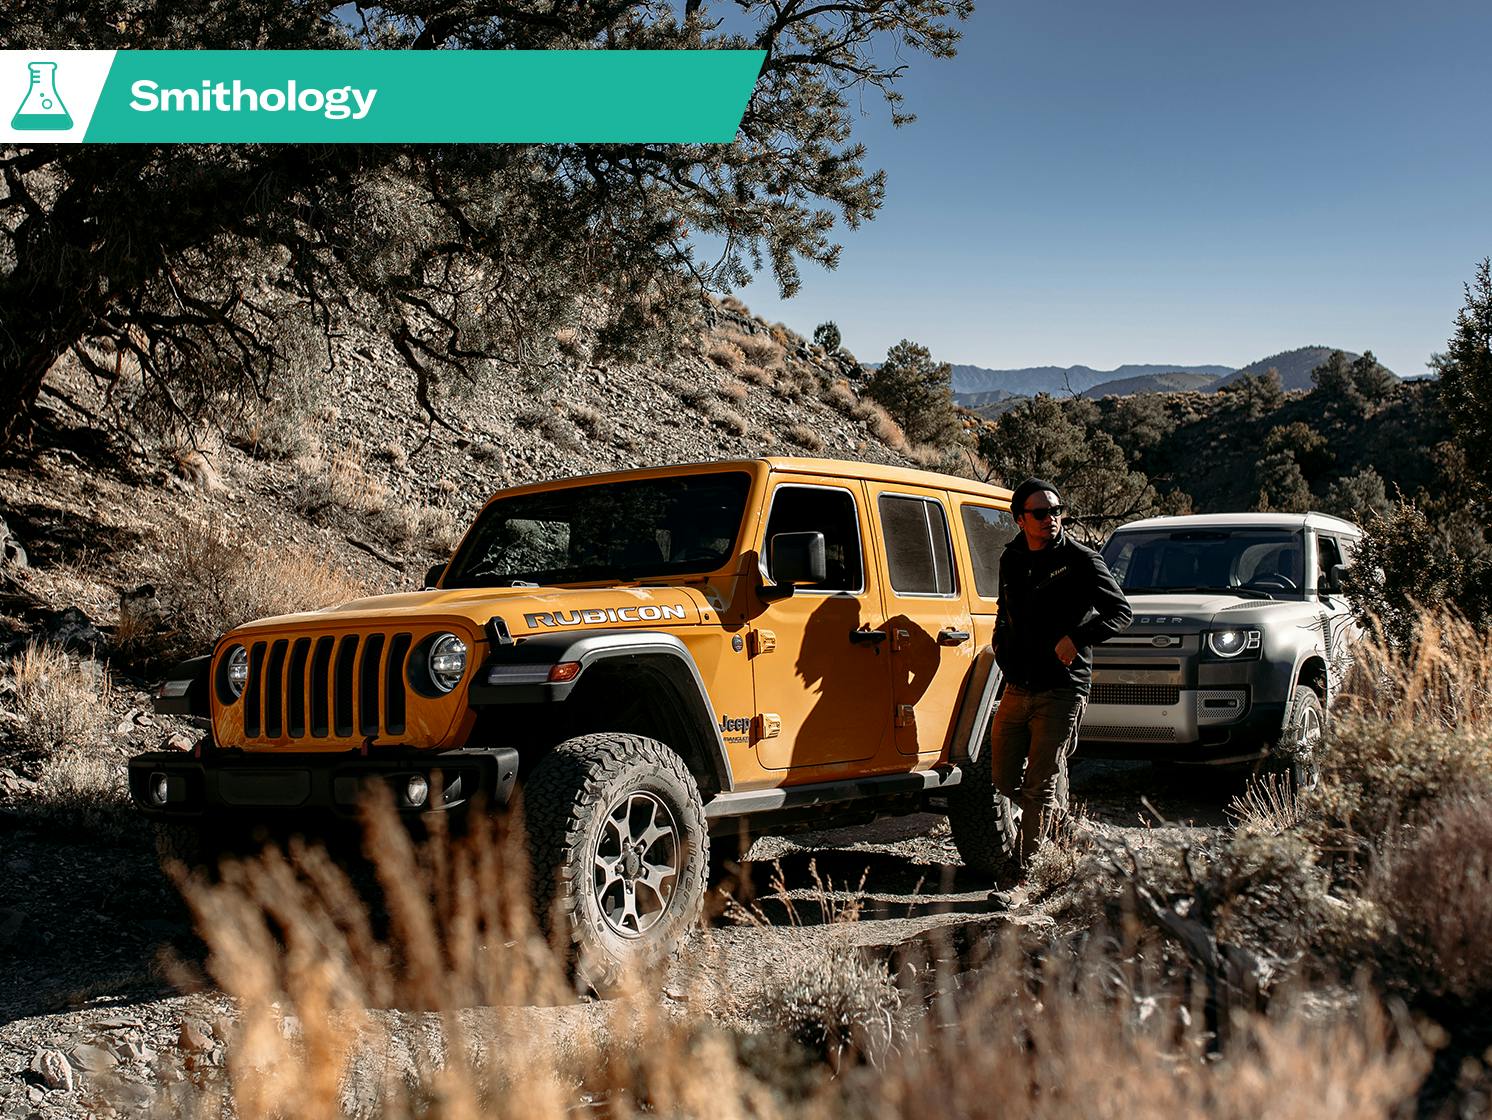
x,y
988,532
1267,563
607,531
918,553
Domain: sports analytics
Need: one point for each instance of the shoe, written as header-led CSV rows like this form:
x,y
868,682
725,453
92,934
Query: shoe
x,y
1004,900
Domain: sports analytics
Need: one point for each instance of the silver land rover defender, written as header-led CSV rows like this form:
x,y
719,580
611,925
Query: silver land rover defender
x,y
1240,639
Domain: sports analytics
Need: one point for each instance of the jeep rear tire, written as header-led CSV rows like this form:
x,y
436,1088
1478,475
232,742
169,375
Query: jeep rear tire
x,y
983,821
620,852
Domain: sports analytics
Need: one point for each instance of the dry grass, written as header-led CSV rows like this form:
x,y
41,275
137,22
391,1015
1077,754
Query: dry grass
x,y
879,421
210,582
727,355
588,420
842,397
805,437
758,376
730,421
427,528
1268,804
568,342
393,454
423,1022
340,481
1443,678
734,391
54,701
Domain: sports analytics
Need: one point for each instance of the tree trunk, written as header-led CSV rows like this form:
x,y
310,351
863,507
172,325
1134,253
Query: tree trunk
x,y
36,328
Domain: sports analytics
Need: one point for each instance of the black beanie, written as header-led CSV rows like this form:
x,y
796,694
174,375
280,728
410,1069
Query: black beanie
x,y
1024,491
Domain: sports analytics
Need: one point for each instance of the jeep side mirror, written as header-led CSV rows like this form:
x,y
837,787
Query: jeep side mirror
x,y
432,577
794,558
1334,578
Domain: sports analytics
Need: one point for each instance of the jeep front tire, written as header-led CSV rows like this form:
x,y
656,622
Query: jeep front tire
x,y
619,849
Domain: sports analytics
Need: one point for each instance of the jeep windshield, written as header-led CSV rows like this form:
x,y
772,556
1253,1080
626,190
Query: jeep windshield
x,y
651,527
1253,563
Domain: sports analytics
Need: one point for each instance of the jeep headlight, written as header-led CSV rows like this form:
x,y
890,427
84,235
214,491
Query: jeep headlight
x,y
236,672
1229,644
447,661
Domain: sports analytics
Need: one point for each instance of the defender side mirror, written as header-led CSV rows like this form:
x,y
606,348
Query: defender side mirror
x,y
1334,578
432,577
795,558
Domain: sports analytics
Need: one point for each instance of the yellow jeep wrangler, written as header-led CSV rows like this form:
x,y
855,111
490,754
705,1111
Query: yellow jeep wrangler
x,y
644,658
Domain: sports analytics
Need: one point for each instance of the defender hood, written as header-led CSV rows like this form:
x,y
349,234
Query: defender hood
x,y
1169,609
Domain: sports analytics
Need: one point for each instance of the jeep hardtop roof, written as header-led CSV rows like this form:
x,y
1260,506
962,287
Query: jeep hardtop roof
x,y
1246,521
828,468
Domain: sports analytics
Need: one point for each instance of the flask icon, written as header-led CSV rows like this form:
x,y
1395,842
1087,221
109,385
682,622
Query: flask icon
x,y
42,110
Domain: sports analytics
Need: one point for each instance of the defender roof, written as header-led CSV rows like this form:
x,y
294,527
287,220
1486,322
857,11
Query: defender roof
x,y
1314,520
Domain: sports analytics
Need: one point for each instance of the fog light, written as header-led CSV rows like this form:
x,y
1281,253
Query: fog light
x,y
416,790
160,791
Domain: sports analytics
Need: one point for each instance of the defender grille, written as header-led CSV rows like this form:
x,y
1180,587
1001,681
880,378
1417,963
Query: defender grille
x,y
326,687
1135,694
1129,734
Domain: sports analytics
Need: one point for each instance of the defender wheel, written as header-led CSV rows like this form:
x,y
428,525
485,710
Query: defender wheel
x,y
620,851
1294,758
983,821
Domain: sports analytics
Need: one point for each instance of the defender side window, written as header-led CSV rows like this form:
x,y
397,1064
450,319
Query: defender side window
x,y
988,531
820,509
1327,555
919,553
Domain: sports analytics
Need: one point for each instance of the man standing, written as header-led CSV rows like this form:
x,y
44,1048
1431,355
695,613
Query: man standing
x,y
1057,600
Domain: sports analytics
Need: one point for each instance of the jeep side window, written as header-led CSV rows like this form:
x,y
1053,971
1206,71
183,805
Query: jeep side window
x,y
988,532
1327,555
821,509
919,555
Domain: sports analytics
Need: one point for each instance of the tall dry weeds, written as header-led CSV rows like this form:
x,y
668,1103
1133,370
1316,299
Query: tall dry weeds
x,y
53,701
451,1012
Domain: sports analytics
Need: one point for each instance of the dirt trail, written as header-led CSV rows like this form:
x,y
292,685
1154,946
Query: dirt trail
x,y
87,929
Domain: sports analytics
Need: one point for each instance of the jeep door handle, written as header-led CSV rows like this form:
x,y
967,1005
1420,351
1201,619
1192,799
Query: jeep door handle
x,y
867,637
952,637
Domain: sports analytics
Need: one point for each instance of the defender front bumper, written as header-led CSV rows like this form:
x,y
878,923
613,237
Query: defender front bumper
x,y
171,785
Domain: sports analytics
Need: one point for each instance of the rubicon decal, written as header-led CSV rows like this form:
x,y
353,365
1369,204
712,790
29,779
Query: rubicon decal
x,y
595,616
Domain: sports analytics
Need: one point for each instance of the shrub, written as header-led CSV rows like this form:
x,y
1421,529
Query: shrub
x,y
428,528
210,582
567,341
85,788
758,376
842,397
56,702
827,335
760,350
805,437
1441,676
1378,779
835,1004
727,355
588,420
732,422
734,391
337,481
1437,888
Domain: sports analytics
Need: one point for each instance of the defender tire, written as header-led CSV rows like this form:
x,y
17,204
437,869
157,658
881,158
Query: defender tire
x,y
1294,759
620,852
983,822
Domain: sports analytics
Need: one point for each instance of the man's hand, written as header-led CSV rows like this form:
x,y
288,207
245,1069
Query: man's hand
x,y
1066,652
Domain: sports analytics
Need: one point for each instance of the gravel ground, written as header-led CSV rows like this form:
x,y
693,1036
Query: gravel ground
x,y
95,943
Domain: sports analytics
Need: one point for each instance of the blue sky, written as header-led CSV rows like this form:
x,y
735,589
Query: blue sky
x,y
1102,182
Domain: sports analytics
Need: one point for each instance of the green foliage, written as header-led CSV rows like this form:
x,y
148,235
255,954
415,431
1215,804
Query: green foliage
x,y
918,393
1352,387
1254,394
1045,438
1466,374
1404,566
1358,497
827,335
1281,484
462,256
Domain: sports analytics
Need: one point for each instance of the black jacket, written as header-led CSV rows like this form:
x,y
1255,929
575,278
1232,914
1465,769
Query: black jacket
x,y
1062,590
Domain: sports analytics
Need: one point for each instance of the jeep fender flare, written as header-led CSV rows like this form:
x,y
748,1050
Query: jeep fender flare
x,y
521,673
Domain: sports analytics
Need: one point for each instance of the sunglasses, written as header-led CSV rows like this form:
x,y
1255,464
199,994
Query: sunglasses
x,y
1043,513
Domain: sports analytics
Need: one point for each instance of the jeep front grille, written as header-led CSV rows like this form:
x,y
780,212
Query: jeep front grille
x,y
1135,694
326,687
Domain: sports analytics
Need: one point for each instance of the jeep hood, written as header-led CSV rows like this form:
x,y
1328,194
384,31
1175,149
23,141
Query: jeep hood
x,y
1203,608
526,610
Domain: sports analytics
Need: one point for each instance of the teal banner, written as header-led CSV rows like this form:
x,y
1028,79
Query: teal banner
x,y
363,97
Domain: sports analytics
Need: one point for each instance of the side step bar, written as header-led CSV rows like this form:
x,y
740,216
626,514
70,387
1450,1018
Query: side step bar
x,y
747,802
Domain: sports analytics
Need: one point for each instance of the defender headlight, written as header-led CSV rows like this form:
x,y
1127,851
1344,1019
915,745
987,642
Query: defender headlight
x,y
447,661
1233,643
237,673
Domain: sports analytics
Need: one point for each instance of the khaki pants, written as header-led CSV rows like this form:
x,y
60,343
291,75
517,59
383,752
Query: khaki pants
x,y
1030,740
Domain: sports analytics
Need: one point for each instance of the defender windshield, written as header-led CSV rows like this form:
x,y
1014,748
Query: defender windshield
x,y
1257,563
610,531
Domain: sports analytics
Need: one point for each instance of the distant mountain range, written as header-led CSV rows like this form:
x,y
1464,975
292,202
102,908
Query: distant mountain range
x,y
992,390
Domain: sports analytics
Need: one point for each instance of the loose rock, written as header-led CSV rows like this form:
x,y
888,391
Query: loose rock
x,y
52,1067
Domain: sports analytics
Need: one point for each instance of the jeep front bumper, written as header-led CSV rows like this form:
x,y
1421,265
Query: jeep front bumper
x,y
172,785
